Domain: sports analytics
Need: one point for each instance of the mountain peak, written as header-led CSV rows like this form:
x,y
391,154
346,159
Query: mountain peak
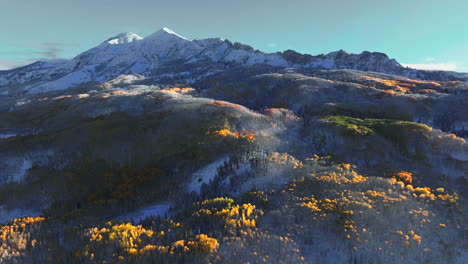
x,y
123,38
165,33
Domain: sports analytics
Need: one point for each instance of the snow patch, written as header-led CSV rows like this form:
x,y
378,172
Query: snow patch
x,y
462,156
126,79
72,79
7,215
205,175
242,169
123,38
167,30
21,172
159,209
273,179
164,33
7,135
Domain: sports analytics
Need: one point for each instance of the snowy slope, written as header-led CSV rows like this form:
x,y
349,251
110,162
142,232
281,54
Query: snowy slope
x,y
205,175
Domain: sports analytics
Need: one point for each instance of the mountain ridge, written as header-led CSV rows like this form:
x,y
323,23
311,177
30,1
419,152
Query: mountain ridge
x,y
128,53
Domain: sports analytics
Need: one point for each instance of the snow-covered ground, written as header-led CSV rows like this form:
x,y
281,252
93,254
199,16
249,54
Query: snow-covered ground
x,y
273,179
463,156
205,175
7,135
123,38
159,209
243,168
23,169
7,215
14,170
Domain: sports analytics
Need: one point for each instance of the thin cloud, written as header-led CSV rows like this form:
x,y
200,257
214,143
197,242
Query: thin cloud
x,y
447,66
38,50
49,53
27,53
272,45
11,64
45,50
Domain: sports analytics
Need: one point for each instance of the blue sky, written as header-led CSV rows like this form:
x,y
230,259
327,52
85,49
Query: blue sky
x,y
428,33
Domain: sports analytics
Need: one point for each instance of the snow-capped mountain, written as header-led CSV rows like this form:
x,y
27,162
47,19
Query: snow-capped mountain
x,y
123,38
165,53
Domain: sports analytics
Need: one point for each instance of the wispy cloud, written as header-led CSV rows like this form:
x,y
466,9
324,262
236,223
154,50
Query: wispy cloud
x,y
432,65
272,45
44,50
429,59
30,52
435,64
446,66
11,64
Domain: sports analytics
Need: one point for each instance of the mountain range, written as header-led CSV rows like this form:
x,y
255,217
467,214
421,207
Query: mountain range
x,y
165,53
